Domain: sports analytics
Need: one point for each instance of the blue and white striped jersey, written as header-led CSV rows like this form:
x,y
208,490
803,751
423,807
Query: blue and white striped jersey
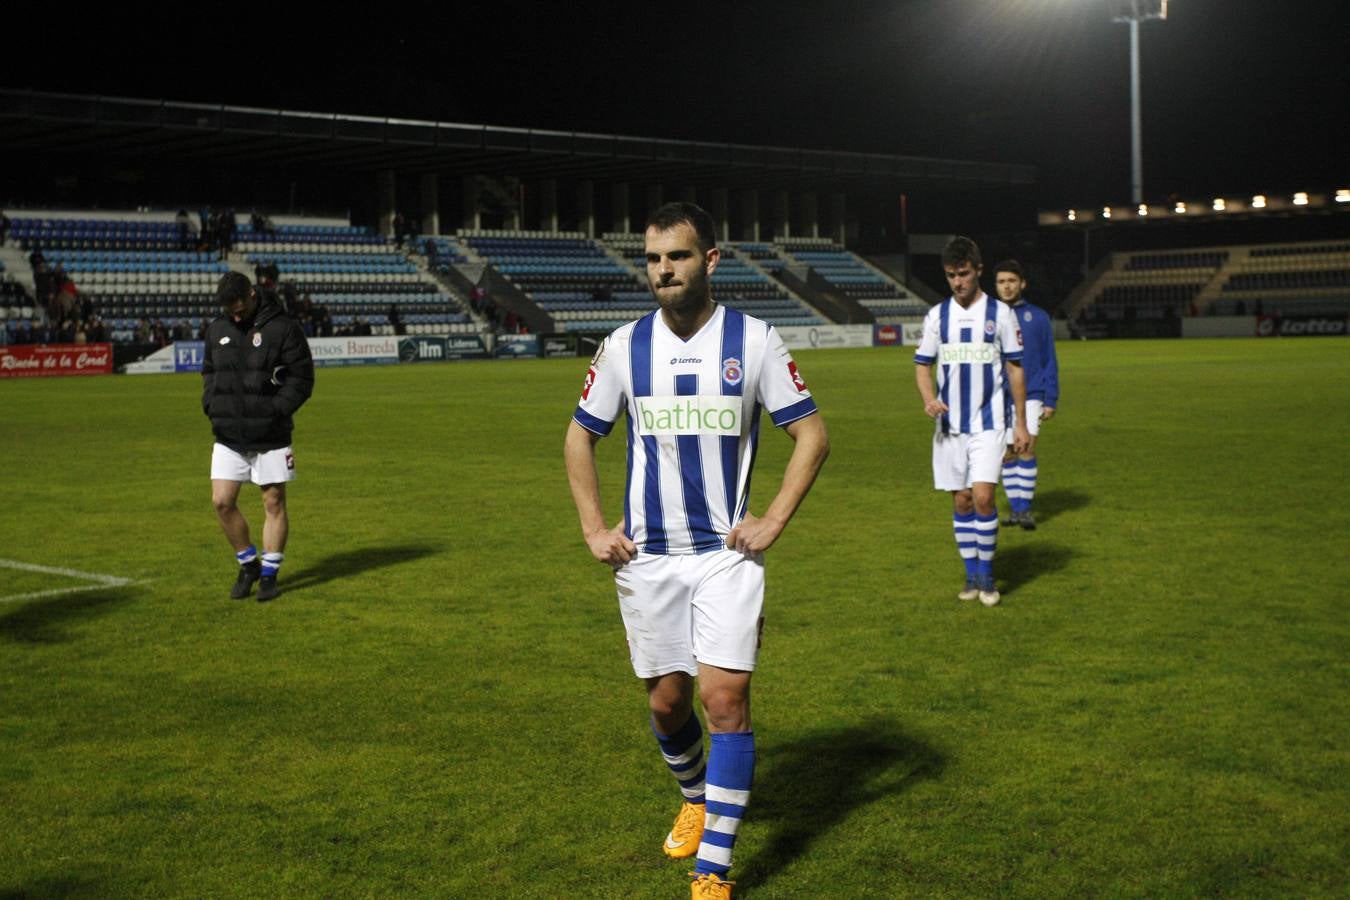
x,y
969,346
693,421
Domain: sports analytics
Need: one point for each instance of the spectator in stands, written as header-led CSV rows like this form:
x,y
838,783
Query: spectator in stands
x,y
201,329
256,373
396,320
65,332
35,257
1040,367
325,323
96,330
41,332
184,230
159,334
400,229
79,334
23,333
4,228
142,333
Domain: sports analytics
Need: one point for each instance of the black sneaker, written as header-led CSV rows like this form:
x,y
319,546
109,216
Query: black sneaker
x,y
1014,518
248,573
267,588
1028,521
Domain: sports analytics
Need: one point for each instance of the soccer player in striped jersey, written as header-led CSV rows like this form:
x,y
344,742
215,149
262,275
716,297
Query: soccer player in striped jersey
x,y
974,341
693,379
1041,368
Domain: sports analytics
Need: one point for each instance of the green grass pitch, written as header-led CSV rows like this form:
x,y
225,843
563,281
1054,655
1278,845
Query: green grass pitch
x,y
440,703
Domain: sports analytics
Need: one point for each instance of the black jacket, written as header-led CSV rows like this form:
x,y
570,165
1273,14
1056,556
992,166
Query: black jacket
x,y
254,376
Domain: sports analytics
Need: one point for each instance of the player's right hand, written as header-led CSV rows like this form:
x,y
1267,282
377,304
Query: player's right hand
x,y
934,408
611,546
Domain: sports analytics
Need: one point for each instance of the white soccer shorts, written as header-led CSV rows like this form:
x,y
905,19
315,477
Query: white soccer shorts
x,y
266,467
682,610
960,460
1034,410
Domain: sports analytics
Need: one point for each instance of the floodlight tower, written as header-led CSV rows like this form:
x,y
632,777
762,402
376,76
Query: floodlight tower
x,y
1133,12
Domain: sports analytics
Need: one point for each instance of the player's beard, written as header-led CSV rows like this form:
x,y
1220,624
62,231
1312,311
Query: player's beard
x,y
684,300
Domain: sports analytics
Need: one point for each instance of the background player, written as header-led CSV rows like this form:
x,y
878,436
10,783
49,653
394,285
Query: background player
x,y
1041,369
692,378
256,373
975,341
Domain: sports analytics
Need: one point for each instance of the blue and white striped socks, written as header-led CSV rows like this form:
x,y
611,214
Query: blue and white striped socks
x,y
963,526
683,752
1019,483
270,563
731,769
247,556
986,537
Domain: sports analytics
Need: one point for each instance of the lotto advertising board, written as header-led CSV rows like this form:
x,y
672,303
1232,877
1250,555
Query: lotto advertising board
x,y
1299,326
51,360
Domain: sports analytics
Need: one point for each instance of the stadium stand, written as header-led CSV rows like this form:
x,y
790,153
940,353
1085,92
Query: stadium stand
x,y
849,274
1310,278
133,272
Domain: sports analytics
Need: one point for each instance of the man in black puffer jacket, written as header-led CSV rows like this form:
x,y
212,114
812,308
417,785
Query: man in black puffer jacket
x,y
257,372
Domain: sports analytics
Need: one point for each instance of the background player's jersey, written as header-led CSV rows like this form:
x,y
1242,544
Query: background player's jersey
x,y
969,346
1039,362
693,421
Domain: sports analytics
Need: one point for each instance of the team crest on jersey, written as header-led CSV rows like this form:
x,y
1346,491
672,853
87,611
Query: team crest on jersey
x,y
586,386
257,338
1026,316
988,327
797,378
732,373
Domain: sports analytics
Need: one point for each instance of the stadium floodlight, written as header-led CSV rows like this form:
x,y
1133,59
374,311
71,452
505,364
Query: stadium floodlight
x,y
1343,196
1132,12
1220,204
1180,208
1106,212
1073,215
1143,209
1301,198
1259,201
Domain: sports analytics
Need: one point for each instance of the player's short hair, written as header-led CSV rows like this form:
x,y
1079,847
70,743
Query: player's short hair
x,y
961,250
681,212
1010,265
231,287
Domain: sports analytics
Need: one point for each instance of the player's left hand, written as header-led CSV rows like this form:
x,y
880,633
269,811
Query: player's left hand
x,y
1047,413
753,535
1021,438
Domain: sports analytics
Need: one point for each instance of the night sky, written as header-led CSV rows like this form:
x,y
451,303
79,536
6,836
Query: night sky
x,y
1240,96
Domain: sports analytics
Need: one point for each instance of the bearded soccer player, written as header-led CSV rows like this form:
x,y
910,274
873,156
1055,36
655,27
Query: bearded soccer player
x,y
692,378
975,343
1041,368
257,371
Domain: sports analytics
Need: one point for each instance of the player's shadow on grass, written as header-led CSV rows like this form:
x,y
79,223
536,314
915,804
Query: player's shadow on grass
x,y
352,562
1049,504
39,621
805,788
1020,565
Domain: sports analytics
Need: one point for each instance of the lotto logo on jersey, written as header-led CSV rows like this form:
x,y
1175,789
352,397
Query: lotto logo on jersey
x,y
978,354
797,378
290,460
689,415
731,371
586,385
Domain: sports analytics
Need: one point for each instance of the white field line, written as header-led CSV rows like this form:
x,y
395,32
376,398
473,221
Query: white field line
x,y
101,581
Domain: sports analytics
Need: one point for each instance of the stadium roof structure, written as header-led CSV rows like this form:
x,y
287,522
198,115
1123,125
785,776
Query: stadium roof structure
x,y
38,122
